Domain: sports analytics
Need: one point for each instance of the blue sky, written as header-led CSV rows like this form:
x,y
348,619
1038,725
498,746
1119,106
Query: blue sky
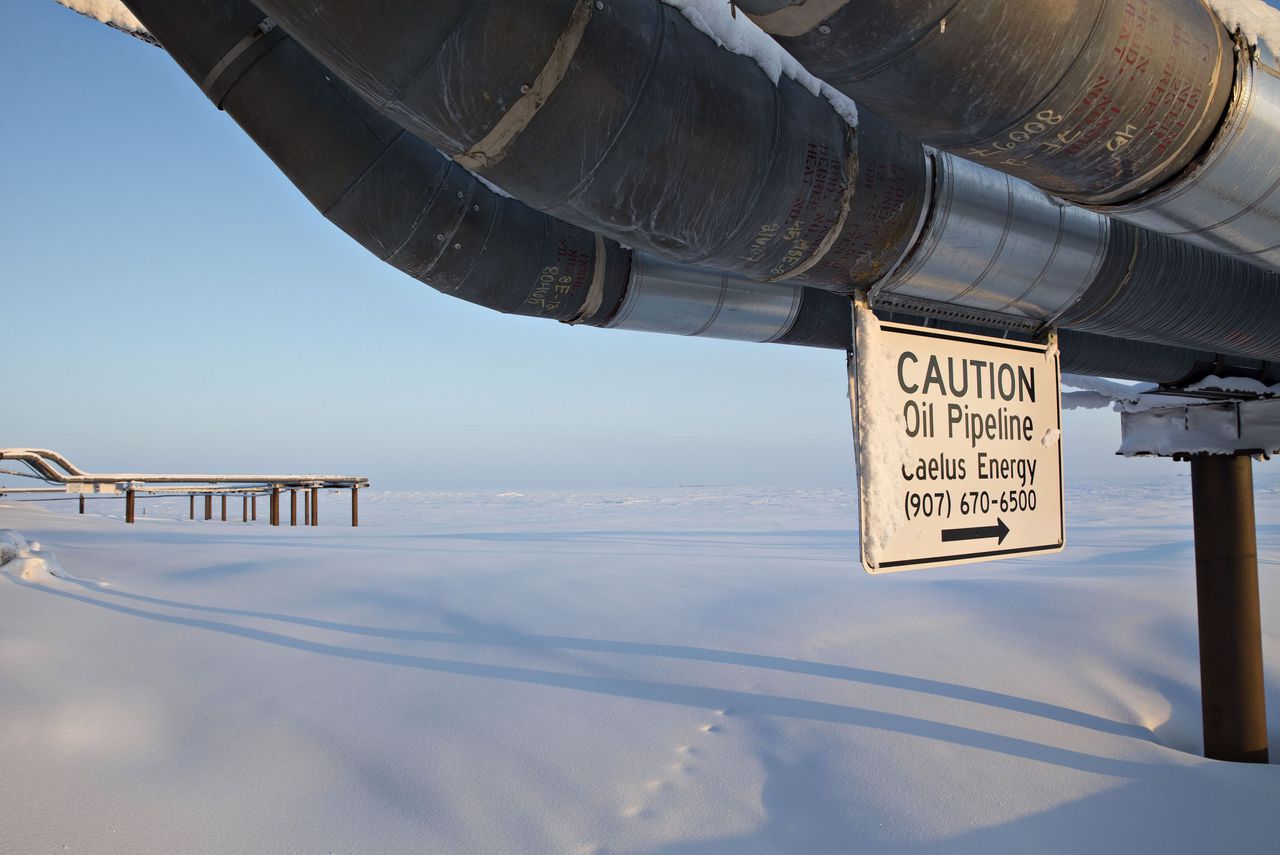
x,y
172,302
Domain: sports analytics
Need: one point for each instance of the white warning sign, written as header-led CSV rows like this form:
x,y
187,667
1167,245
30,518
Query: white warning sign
x,y
958,439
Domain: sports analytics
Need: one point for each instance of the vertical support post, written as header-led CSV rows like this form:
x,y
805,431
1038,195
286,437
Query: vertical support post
x,y
293,506
315,506
1231,687
224,507
253,508
208,506
306,506
82,503
275,505
244,508
192,497
128,505
355,507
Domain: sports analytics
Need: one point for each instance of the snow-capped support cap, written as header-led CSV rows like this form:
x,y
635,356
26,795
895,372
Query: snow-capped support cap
x,y
1214,415
1249,427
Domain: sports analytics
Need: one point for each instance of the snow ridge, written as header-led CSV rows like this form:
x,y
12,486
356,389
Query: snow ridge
x,y
1253,19
738,34
26,559
111,12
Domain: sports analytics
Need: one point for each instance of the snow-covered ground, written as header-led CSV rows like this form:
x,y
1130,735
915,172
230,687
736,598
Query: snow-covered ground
x,y
656,671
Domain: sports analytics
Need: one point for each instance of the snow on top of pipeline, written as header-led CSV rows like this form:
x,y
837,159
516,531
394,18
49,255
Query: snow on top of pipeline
x,y
108,12
1254,19
113,13
738,34
735,33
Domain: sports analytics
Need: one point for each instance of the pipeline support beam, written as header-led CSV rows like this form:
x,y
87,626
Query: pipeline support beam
x,y
1230,627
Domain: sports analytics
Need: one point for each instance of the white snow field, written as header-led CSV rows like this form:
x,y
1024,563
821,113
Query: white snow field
x,y
672,672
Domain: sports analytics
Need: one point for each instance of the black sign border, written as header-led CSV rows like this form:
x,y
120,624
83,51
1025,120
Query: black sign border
x,y
1025,347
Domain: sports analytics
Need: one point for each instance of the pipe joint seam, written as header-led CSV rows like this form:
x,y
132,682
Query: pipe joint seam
x,y
492,148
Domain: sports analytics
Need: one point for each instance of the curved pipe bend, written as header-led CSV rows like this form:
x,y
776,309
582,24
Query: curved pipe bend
x,y
647,165
394,195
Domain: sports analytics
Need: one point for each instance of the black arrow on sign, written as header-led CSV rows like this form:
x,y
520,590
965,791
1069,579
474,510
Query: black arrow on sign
x,y
977,532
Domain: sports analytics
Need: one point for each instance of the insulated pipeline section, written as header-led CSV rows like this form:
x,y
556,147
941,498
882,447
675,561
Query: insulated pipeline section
x,y
620,117
434,220
660,299
430,218
987,248
996,246
1100,101
392,193
1229,200
1147,111
1157,289
1099,356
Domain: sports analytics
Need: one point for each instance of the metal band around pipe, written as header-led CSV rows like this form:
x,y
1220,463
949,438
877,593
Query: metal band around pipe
x,y
799,19
595,291
213,85
833,234
493,147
